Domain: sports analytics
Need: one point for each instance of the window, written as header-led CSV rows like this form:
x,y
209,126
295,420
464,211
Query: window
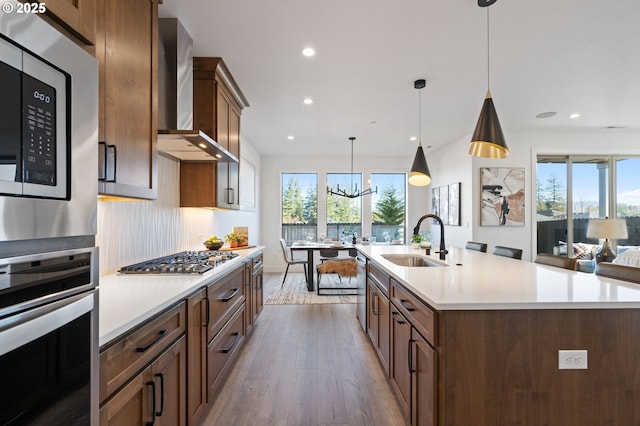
x,y
585,184
344,215
299,206
388,206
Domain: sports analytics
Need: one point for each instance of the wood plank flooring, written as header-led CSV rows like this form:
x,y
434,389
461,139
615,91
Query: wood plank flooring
x,y
306,365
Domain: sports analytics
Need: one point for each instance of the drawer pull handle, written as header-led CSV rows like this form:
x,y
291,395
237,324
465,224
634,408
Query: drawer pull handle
x,y
233,291
207,312
395,315
375,306
236,336
410,352
159,413
403,302
153,402
156,340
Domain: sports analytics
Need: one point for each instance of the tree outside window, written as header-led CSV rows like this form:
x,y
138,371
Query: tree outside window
x,y
299,206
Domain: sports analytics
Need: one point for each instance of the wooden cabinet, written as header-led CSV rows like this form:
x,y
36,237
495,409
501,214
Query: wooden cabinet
x,y
249,296
196,357
257,301
78,17
143,375
399,370
224,297
378,322
127,52
423,381
218,104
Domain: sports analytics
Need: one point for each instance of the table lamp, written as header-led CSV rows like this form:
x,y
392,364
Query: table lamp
x,y
608,229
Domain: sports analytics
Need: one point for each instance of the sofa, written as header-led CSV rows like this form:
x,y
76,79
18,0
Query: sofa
x,y
586,253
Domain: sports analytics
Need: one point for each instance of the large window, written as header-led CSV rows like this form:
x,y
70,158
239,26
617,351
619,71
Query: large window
x,y
388,206
344,215
573,189
299,206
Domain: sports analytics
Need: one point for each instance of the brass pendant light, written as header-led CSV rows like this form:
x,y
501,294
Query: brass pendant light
x,y
420,175
488,140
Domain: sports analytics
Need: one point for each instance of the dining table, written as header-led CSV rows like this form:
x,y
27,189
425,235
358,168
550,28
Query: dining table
x,y
311,247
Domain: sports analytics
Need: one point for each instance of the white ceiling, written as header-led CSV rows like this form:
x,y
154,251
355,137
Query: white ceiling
x,y
547,55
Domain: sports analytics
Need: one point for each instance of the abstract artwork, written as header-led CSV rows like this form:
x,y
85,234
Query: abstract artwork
x,y
445,203
503,195
454,204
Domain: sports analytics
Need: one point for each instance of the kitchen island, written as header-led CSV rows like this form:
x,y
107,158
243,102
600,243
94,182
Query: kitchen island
x,y
492,328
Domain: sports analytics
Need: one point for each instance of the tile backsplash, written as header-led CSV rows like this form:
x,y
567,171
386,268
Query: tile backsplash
x,y
133,231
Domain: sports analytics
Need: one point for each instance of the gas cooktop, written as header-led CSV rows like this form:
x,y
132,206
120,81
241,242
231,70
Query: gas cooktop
x,y
186,262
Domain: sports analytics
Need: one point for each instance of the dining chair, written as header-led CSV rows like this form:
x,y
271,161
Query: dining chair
x,y
619,272
472,245
327,254
291,260
513,253
557,261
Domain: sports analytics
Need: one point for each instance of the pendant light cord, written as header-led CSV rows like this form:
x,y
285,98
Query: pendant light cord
x,y
420,117
488,68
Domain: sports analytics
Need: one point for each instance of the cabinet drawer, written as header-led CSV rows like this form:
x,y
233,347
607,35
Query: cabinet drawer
x,y
420,316
380,277
225,296
131,353
223,349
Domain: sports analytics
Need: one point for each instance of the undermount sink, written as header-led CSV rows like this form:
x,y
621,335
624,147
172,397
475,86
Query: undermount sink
x,y
411,260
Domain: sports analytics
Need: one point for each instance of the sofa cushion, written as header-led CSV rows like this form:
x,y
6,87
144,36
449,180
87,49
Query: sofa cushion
x,y
629,257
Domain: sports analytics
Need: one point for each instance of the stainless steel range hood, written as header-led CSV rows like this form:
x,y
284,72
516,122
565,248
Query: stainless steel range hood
x,y
176,136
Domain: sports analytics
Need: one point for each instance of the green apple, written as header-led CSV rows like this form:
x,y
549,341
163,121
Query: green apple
x,y
213,239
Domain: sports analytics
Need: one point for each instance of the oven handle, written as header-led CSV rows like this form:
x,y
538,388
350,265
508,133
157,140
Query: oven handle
x,y
25,327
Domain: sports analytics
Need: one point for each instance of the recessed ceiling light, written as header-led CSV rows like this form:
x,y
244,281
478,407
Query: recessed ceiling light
x,y
412,138
574,115
308,51
308,101
546,114
614,127
290,137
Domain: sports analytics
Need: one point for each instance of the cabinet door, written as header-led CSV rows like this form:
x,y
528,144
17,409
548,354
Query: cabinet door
x,y
196,357
249,296
234,131
169,375
127,54
258,295
372,308
383,331
222,118
423,396
399,368
132,405
76,16
225,296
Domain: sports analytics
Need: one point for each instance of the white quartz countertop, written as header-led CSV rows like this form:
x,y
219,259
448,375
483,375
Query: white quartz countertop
x,y
477,281
126,300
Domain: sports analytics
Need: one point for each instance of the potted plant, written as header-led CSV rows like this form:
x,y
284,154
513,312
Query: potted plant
x,y
415,241
233,239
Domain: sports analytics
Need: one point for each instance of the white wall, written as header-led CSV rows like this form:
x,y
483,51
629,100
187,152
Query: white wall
x,y
448,163
133,231
272,167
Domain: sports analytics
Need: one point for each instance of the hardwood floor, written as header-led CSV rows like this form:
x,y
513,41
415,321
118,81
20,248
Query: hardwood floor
x,y
306,365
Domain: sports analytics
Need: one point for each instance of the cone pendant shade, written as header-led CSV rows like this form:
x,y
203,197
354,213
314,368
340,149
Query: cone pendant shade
x,y
488,140
420,175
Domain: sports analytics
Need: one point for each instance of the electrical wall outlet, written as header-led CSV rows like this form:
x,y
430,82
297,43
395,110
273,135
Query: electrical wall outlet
x,y
572,360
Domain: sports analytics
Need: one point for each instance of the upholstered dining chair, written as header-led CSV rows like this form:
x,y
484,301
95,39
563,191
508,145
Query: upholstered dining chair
x,y
557,261
472,245
327,254
291,260
513,253
619,272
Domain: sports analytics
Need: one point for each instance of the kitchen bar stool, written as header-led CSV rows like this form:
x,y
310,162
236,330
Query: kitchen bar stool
x,y
472,245
557,261
513,253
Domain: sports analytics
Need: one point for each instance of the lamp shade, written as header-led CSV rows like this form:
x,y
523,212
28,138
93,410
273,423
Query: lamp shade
x,y
488,140
615,229
420,175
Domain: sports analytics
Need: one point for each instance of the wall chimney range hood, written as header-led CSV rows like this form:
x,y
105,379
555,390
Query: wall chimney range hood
x,y
176,136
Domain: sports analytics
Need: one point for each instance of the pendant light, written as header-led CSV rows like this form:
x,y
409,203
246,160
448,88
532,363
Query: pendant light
x,y
488,140
354,189
420,175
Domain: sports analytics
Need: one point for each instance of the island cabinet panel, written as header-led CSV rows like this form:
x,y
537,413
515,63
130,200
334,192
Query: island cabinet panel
x,y
423,381
196,357
501,367
417,312
378,318
399,369
127,53
78,17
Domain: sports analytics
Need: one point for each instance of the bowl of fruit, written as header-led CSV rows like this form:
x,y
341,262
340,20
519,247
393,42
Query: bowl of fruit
x,y
213,243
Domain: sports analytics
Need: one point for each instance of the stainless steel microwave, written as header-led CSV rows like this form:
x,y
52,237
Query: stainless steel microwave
x,y
34,142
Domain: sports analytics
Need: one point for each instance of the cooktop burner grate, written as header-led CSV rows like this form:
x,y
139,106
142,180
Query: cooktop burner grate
x,y
186,262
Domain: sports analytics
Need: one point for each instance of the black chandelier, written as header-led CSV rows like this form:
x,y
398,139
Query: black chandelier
x,y
354,189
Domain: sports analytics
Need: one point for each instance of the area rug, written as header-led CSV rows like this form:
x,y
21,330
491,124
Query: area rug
x,y
294,291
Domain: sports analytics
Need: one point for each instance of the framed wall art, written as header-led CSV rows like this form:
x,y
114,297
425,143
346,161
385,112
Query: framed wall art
x,y
454,204
445,203
503,196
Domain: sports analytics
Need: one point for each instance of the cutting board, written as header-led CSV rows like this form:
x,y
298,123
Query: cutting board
x,y
236,248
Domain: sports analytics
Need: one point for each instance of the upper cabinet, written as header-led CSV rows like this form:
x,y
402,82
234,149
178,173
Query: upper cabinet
x,y
218,104
127,52
78,17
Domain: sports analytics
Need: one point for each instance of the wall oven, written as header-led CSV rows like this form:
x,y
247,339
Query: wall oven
x,y
49,339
